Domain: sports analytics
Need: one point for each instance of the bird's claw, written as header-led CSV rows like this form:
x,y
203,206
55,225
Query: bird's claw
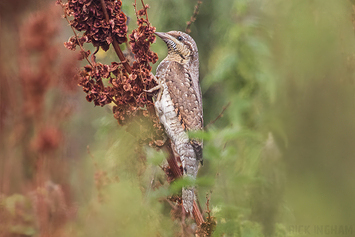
x,y
159,88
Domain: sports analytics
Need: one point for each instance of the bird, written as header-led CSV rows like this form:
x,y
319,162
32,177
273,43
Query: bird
x,y
179,104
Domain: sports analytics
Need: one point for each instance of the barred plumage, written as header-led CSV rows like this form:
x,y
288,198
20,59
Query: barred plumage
x,y
180,104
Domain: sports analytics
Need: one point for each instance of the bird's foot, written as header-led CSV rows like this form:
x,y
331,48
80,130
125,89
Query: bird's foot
x,y
159,88
155,88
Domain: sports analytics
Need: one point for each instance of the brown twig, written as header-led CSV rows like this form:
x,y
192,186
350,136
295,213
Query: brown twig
x,y
193,17
77,39
89,152
172,161
135,8
207,227
145,11
115,44
219,116
197,214
353,14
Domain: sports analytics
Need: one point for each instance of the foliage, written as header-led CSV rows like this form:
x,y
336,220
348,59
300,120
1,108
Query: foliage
x,y
278,75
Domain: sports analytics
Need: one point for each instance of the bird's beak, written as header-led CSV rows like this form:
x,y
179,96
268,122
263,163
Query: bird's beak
x,y
161,35
168,39
164,36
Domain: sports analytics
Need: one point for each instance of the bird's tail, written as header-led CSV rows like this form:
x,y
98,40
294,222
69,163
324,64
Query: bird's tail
x,y
188,197
190,167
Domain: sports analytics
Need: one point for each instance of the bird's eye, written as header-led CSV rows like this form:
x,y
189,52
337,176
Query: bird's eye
x,y
179,38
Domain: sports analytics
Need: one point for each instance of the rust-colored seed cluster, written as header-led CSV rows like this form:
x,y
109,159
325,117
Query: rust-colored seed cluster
x,y
103,23
89,17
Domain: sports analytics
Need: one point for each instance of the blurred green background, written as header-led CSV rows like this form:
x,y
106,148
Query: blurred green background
x,y
279,162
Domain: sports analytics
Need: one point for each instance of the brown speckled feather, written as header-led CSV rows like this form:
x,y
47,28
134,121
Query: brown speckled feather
x,y
184,97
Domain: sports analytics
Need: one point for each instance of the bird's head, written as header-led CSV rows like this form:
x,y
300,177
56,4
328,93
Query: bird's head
x,y
181,46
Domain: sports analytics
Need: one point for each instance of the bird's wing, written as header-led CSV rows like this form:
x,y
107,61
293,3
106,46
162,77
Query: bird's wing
x,y
184,98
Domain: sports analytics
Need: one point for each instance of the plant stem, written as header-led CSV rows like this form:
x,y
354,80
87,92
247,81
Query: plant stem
x,y
115,44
